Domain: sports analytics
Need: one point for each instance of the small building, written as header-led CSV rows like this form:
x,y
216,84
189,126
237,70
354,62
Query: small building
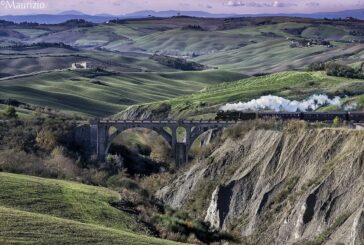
x,y
79,66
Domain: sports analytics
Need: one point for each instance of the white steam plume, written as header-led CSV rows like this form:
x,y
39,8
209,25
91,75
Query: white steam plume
x,y
276,103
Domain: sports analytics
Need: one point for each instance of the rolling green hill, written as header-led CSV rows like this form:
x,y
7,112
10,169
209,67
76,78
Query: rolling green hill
x,y
123,48
290,85
247,45
101,94
43,211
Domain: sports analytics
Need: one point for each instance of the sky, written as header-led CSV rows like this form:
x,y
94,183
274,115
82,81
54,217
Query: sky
x,y
119,7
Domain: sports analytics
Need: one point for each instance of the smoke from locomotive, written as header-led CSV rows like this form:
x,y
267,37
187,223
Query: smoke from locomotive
x,y
278,104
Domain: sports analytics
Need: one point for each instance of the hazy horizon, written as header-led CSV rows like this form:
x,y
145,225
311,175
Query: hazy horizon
x,y
121,7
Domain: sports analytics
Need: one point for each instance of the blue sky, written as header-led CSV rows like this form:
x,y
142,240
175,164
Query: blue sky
x,y
118,7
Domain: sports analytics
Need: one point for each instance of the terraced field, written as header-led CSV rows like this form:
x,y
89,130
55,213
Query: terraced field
x,y
43,211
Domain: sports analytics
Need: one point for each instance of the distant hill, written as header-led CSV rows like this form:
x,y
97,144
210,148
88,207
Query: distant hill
x,y
356,13
71,12
169,13
53,19
100,18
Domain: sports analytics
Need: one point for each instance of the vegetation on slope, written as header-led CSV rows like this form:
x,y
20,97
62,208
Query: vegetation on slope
x,y
51,211
290,85
247,45
178,63
63,199
43,147
104,93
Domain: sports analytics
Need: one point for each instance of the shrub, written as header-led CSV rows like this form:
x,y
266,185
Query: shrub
x,y
46,140
94,177
319,66
338,70
155,182
121,180
10,113
336,122
178,63
21,162
182,224
61,166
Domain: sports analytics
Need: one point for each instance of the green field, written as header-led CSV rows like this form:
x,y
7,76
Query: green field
x,y
94,94
290,85
237,46
247,45
274,56
43,211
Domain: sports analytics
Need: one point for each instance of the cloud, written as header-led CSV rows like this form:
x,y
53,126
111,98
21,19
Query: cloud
x,y
275,4
312,4
234,3
278,4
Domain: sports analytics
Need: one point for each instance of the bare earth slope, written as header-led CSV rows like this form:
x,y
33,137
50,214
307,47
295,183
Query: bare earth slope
x,y
292,186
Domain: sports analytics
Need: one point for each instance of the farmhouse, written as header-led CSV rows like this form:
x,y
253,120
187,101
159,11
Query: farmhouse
x,y
80,65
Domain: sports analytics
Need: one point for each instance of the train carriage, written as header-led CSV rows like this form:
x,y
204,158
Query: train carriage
x,y
357,116
306,116
280,115
235,115
324,116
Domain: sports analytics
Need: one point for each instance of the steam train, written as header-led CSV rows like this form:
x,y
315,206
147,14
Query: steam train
x,y
306,116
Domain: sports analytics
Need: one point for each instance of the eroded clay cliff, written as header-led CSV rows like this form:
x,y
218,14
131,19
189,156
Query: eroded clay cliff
x,y
279,186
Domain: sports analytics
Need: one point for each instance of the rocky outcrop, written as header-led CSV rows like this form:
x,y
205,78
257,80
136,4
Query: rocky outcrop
x,y
280,186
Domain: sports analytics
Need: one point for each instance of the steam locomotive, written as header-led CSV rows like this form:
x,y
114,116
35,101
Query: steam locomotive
x,y
306,116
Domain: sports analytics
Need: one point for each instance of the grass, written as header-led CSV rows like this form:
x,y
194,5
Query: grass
x,y
20,227
270,56
320,239
63,199
248,45
93,95
22,113
290,85
43,211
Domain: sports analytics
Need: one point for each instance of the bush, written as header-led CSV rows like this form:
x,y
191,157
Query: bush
x,y
336,122
180,223
61,166
57,166
20,162
319,66
94,177
10,113
338,70
46,140
121,180
178,63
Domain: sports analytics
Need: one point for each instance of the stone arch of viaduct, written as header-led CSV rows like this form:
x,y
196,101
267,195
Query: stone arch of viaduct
x,y
101,138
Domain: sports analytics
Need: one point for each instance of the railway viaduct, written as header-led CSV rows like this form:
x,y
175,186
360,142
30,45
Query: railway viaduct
x,y
99,134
